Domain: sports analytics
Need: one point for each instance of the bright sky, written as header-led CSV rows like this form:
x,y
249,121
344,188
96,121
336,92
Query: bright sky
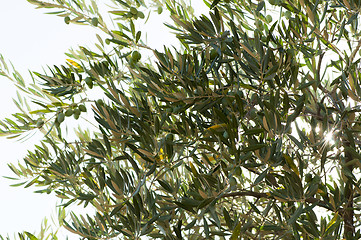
x,y
32,40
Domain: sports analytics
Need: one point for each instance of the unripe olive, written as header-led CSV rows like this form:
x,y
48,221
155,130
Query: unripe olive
x,y
287,14
95,21
60,118
136,56
269,18
67,20
69,112
39,123
160,10
308,177
100,102
77,111
140,14
133,10
82,108
89,82
76,116
317,179
259,25
73,105
238,171
213,54
232,181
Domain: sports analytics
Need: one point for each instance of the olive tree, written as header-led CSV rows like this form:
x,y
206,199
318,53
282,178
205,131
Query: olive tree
x,y
248,127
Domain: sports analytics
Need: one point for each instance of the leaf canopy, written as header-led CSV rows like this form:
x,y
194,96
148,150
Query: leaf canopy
x,y
222,137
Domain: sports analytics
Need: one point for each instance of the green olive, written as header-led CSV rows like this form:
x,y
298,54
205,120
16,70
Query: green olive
x,y
140,15
100,102
259,25
213,54
136,56
269,18
95,21
69,112
77,111
60,118
232,181
73,105
308,177
287,14
82,108
67,20
317,179
238,171
39,123
89,82
133,10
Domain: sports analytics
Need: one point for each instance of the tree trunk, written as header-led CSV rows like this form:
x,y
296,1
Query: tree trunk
x,y
348,214
349,230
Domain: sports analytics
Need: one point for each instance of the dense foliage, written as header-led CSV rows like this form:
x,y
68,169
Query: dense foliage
x,y
246,129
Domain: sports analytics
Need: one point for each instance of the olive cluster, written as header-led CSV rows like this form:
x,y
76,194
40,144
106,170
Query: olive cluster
x,y
134,13
94,21
259,23
73,110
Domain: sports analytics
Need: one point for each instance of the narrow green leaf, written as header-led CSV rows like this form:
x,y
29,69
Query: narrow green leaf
x,y
260,177
295,215
215,2
254,147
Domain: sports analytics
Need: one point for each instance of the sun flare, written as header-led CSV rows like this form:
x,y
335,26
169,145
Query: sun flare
x,y
329,137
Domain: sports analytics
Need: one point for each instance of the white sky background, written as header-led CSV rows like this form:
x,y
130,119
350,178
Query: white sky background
x,y
32,40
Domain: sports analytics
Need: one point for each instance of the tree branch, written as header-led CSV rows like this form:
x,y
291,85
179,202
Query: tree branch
x,y
318,202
